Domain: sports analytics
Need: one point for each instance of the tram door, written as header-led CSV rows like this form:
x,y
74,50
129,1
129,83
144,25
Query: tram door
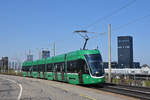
x,y
65,68
39,69
44,70
62,72
80,65
31,71
80,77
55,71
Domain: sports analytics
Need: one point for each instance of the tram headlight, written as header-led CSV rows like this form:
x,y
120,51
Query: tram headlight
x,y
96,72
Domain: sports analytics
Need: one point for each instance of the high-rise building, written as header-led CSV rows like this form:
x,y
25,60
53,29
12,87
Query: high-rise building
x,y
15,65
136,65
29,57
4,64
45,53
1,65
125,52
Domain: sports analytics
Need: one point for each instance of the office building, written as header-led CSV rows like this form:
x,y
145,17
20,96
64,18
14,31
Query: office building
x,y
125,52
29,57
45,53
4,64
136,65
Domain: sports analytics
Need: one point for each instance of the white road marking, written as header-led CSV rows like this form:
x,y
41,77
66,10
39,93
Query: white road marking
x,y
20,86
19,96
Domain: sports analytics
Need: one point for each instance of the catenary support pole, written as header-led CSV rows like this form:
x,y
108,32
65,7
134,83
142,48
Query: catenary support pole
x,y
53,49
109,63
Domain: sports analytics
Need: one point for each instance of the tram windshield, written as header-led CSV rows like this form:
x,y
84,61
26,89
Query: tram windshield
x,y
95,64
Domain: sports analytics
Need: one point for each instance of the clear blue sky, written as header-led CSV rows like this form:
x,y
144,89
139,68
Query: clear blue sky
x,y
32,24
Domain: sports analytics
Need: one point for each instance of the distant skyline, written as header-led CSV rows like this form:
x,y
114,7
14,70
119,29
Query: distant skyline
x,y
34,24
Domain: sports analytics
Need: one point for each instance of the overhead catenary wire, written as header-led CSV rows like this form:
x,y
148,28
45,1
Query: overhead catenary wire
x,y
96,36
131,22
110,14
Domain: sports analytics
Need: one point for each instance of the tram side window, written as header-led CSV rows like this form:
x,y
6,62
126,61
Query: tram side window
x,y
77,66
58,67
82,67
41,67
63,67
49,68
86,69
68,67
27,68
34,68
23,68
30,68
55,68
72,67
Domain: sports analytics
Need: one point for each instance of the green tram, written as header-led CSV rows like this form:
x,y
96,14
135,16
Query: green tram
x,y
78,67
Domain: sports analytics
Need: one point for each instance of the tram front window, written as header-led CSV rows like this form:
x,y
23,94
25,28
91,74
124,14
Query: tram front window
x,y
95,64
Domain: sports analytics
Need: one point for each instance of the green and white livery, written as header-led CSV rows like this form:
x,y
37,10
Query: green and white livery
x,y
78,67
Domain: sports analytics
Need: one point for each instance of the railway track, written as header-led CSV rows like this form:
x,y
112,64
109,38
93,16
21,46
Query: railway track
x,y
142,93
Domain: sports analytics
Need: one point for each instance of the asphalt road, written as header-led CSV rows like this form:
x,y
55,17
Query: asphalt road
x,y
22,88
8,90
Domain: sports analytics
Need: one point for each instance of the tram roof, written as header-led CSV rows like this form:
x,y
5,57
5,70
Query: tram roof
x,y
27,63
71,56
79,54
41,61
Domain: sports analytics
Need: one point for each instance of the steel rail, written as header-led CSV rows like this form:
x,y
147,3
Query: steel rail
x,y
132,91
